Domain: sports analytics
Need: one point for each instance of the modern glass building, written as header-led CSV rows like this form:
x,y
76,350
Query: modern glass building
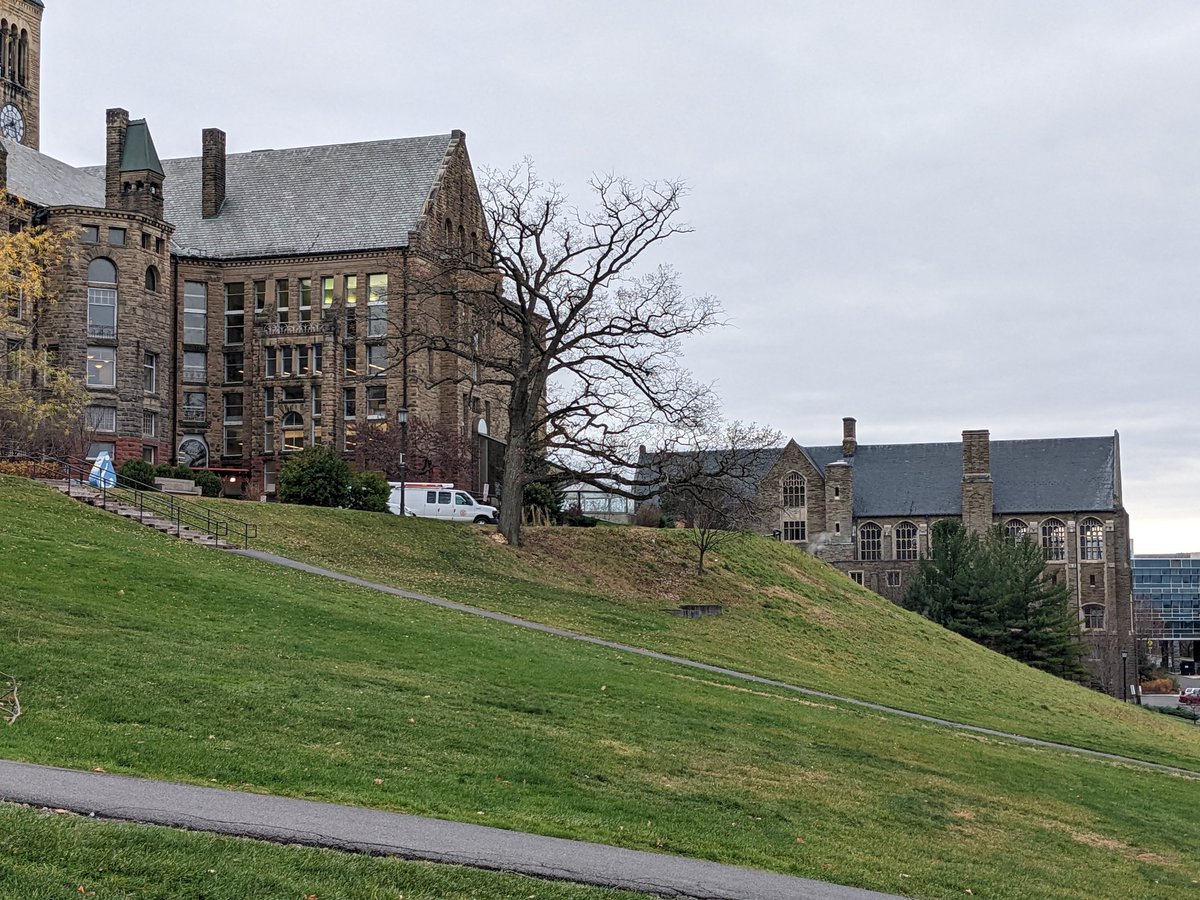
x,y
1166,604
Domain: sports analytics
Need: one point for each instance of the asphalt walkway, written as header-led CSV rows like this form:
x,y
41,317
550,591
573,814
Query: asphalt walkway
x,y
705,667
349,828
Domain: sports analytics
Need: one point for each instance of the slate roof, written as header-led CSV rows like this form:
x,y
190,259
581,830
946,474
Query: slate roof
x,y
1031,476
45,181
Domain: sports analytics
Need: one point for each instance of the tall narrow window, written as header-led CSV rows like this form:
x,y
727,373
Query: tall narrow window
x,y
149,424
305,301
1091,539
377,298
351,290
282,301
1054,539
235,313
270,362
349,407
285,362
906,541
351,358
152,279
268,403
102,299
195,312
260,296
377,402
316,365
233,409
150,373
793,490
101,367
327,291
233,440
316,401
235,368
376,359
302,360
293,432
870,541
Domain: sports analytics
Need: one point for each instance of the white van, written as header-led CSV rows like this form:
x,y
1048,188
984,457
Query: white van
x,y
440,501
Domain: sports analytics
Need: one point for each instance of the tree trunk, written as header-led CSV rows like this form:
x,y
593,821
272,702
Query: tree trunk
x,y
516,460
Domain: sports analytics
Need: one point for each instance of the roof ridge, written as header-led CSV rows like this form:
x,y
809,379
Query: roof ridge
x,y
375,142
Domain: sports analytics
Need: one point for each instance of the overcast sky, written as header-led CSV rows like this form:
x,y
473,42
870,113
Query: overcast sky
x,y
930,215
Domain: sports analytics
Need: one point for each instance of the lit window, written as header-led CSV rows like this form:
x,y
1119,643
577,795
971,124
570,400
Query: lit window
x,y
377,297
906,542
1054,539
282,300
870,541
305,305
101,367
376,359
350,437
793,491
351,290
293,432
1093,617
1091,539
102,299
260,296
195,312
327,291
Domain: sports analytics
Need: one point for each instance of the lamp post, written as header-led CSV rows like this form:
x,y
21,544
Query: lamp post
x,y
1124,677
402,421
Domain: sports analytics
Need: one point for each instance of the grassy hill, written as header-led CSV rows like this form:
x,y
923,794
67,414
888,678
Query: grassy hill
x,y
787,616
144,655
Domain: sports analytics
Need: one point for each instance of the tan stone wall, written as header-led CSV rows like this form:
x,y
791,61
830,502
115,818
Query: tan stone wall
x,y
26,97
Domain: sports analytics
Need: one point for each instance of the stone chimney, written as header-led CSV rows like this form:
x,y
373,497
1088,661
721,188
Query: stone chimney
x,y
849,441
839,512
118,125
213,172
977,502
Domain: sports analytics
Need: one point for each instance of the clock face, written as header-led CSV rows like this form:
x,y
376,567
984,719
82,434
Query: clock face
x,y
193,452
12,123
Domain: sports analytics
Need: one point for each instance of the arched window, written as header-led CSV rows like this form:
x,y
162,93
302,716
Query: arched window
x,y
1015,529
293,432
152,279
12,53
1054,539
906,541
102,298
1093,617
23,57
4,48
1091,539
793,490
870,541
447,231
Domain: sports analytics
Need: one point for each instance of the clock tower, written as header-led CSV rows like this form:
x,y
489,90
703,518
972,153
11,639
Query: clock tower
x,y
20,70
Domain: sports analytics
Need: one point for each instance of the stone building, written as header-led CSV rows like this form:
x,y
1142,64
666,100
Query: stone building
x,y
225,310
868,511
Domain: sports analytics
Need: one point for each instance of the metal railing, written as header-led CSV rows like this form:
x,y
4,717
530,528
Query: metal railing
x,y
150,501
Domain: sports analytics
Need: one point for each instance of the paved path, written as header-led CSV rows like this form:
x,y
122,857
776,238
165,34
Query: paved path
x,y
693,664
432,840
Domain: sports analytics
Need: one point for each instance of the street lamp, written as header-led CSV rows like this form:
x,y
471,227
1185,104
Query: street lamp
x,y
402,421
1124,677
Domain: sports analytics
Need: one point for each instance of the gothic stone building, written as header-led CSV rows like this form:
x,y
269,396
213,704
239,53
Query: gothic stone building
x,y
868,510
227,309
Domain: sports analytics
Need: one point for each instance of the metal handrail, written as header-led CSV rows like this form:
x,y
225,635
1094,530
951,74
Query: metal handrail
x,y
148,499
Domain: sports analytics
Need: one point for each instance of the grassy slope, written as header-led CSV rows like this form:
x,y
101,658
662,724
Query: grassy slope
x,y
787,616
52,857
141,654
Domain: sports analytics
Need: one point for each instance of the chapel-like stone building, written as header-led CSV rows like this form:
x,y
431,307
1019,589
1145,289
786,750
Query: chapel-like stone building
x,y
225,310
868,510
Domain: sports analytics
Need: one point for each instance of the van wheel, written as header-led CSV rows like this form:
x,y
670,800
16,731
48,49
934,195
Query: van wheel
x,y
482,520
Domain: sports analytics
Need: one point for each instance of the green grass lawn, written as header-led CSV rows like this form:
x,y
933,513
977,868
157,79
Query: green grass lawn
x,y
141,654
55,857
787,616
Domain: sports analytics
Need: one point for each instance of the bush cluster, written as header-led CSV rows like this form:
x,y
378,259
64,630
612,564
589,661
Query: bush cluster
x,y
318,476
138,473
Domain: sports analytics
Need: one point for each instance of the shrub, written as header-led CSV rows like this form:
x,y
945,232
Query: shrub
x,y
209,483
27,468
649,515
575,521
317,476
136,472
369,491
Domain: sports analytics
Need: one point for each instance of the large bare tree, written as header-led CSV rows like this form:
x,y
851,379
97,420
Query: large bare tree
x,y
569,314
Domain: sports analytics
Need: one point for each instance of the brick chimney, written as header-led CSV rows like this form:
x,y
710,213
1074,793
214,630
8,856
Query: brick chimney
x,y
213,172
977,502
118,125
849,441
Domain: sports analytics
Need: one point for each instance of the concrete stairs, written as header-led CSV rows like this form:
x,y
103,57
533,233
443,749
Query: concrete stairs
x,y
121,503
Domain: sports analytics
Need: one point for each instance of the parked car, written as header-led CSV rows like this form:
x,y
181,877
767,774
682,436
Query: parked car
x,y
1190,695
440,501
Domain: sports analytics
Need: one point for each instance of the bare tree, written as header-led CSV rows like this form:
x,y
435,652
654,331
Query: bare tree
x,y
564,316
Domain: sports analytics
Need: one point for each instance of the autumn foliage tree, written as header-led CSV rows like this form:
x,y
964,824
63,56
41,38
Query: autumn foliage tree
x,y
41,403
